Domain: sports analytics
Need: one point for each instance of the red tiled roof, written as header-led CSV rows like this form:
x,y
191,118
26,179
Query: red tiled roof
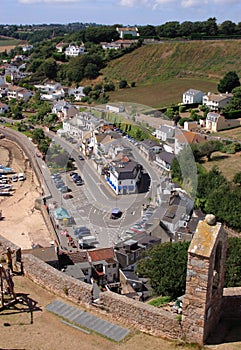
x,y
101,254
78,257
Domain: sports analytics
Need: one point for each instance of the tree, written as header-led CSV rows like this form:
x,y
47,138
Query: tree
x,y
227,28
229,82
123,84
233,263
165,265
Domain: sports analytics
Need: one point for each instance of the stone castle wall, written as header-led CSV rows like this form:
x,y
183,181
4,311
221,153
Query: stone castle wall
x,y
141,316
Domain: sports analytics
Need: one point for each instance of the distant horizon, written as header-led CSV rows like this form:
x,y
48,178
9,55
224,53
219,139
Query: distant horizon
x,y
110,12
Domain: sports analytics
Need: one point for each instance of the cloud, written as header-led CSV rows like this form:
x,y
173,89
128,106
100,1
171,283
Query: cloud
x,y
46,1
191,3
128,3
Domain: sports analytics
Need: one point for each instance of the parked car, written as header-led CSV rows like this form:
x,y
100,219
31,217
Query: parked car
x,y
80,157
21,177
64,189
15,178
67,196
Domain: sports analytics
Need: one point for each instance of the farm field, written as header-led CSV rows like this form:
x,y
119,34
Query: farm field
x,y
8,44
161,94
228,164
234,134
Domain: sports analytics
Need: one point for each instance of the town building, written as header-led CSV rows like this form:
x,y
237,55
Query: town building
x,y
216,102
192,96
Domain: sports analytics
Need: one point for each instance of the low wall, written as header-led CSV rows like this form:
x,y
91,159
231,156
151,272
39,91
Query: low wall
x,y
231,303
144,317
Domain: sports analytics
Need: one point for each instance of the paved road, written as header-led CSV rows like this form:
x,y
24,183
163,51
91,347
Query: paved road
x,y
93,202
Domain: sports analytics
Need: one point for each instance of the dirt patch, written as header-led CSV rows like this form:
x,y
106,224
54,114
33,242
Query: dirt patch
x,y
22,223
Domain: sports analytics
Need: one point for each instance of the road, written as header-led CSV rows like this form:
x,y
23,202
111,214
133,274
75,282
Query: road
x,y
93,202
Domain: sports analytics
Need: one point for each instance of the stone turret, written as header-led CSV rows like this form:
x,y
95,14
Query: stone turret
x,y
205,279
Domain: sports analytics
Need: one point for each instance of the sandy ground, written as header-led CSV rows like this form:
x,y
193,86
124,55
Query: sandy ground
x,y
21,224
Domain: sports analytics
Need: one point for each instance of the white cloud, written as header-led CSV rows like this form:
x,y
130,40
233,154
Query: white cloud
x,y
128,3
226,2
190,3
46,1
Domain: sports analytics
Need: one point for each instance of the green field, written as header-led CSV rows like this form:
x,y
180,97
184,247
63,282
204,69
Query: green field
x,y
162,72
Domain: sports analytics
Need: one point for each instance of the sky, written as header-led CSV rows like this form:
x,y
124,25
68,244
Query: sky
x,y
124,12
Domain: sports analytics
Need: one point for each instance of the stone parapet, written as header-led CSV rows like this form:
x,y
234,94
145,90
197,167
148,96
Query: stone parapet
x,y
143,317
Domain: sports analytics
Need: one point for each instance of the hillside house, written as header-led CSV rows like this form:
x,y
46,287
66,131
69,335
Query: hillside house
x,y
216,102
64,110
127,32
17,92
60,46
165,133
216,122
192,96
74,50
111,46
76,92
115,108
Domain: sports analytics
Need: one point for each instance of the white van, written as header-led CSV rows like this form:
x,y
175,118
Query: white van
x,y
21,177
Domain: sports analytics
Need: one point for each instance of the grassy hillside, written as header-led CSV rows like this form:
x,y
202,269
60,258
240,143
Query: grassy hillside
x,y
162,72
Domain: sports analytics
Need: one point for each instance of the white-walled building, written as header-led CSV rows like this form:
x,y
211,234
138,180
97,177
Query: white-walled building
x,y
216,102
124,178
192,96
74,50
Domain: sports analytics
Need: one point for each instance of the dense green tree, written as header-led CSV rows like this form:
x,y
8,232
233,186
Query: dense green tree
x,y
91,71
49,67
227,28
228,82
38,135
169,29
148,31
210,27
233,263
165,266
186,28
235,101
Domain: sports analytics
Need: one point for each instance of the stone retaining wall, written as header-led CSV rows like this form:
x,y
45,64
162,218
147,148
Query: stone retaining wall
x,y
56,281
144,317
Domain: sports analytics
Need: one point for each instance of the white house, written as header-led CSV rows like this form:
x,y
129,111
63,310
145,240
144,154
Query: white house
x,y
192,96
74,50
216,102
124,178
216,122
129,31
115,45
76,92
26,48
149,148
115,108
165,132
18,93
164,160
